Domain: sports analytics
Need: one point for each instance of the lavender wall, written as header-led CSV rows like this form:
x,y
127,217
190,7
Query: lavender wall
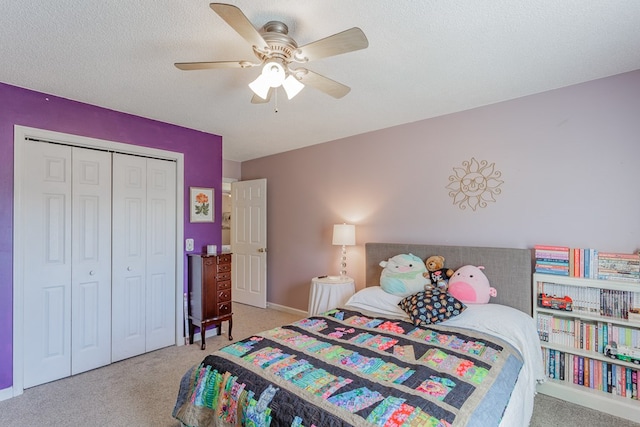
x,y
202,165
569,162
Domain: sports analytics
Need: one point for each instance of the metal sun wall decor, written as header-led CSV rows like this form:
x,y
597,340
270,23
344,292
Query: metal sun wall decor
x,y
474,184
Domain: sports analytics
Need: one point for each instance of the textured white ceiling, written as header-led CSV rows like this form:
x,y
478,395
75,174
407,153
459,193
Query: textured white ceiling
x,y
425,58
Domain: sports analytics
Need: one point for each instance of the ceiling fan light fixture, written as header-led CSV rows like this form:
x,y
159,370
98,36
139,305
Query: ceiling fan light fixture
x,y
292,86
273,75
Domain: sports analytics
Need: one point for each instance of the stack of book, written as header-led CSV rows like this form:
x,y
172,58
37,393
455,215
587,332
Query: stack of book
x,y
584,263
552,260
617,266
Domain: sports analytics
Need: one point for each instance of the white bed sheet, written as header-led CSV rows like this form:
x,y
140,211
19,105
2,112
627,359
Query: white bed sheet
x,y
514,326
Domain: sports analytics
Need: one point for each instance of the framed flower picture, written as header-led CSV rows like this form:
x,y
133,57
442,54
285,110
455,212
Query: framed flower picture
x,y
201,204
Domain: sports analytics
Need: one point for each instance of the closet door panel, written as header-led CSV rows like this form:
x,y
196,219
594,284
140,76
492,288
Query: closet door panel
x,y
129,260
91,254
161,269
46,206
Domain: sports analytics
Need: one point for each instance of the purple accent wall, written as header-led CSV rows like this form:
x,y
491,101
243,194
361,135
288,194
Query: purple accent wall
x,y
202,168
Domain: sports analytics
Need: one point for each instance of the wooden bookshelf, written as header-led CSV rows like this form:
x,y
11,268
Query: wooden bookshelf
x,y
574,343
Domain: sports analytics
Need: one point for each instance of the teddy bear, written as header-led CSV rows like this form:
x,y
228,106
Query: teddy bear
x,y
437,275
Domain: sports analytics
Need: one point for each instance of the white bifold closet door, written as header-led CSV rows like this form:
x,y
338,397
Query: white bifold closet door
x,y
99,265
144,244
66,201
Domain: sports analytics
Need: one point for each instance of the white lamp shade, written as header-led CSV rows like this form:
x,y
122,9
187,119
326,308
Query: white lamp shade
x,y
260,86
292,86
344,234
274,73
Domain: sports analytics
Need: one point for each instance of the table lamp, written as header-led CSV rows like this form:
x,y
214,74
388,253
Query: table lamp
x,y
345,235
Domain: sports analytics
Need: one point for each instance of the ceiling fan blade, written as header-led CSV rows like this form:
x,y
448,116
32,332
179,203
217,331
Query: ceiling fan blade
x,y
233,16
346,41
215,64
322,83
257,100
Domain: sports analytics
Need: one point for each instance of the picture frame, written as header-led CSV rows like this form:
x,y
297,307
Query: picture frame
x,y
226,220
201,204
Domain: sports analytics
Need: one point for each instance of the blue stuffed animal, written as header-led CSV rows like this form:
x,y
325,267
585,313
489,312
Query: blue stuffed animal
x,y
403,275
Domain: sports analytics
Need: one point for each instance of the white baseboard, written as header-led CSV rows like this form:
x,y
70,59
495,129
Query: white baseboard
x,y
6,393
208,334
198,337
287,309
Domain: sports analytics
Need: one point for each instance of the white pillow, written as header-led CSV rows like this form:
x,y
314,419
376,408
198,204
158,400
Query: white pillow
x,y
376,300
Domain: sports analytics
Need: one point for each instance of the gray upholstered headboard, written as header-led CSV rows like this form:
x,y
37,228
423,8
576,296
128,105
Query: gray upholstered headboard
x,y
508,270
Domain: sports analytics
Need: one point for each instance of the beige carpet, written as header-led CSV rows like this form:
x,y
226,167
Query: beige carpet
x,y
141,391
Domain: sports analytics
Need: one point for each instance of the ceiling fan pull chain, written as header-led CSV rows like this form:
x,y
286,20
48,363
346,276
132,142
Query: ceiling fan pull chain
x,y
275,99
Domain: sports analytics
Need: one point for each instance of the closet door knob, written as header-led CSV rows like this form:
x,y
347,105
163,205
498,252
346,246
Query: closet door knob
x,y
129,268
91,273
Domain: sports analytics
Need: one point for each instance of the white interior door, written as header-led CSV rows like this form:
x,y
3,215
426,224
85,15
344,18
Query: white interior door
x,y
91,260
161,269
67,276
144,233
46,209
249,242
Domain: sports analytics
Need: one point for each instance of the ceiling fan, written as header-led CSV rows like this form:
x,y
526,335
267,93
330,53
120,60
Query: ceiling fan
x,y
277,52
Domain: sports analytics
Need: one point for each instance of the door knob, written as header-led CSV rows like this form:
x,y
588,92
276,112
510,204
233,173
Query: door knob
x,y
91,273
262,250
129,268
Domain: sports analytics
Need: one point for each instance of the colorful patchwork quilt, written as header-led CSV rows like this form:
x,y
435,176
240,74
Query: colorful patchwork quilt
x,y
348,368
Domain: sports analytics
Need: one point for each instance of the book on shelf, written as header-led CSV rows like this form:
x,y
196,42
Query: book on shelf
x,y
552,262
586,266
550,248
556,270
576,262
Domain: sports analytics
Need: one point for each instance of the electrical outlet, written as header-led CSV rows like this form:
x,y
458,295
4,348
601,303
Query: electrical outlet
x,y
189,245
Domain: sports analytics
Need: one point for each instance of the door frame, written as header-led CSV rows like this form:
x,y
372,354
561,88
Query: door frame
x,y
19,247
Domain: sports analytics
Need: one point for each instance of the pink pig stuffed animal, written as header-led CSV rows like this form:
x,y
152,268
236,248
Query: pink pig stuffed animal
x,y
470,286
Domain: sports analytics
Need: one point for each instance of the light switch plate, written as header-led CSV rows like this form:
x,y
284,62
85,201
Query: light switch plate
x,y
189,245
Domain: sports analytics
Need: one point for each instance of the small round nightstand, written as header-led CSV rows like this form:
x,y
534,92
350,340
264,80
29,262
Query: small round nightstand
x,y
329,292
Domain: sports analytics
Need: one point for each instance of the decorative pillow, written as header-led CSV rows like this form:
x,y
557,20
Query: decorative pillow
x,y
431,306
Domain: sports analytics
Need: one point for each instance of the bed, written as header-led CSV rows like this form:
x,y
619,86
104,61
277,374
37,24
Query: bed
x,y
367,364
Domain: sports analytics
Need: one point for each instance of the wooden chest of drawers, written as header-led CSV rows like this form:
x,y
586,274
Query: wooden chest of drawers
x,y
209,293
